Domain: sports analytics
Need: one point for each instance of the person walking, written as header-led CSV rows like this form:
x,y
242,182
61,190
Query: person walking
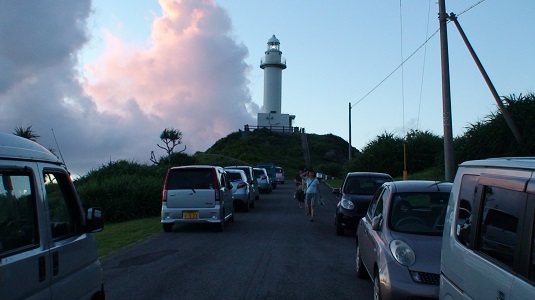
x,y
312,192
299,194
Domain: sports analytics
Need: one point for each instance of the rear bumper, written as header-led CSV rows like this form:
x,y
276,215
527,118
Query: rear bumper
x,y
240,198
176,215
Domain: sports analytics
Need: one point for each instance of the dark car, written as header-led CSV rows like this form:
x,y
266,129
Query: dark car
x,y
355,195
398,242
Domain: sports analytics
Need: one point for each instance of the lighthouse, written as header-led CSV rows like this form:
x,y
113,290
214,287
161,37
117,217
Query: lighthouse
x,y
273,63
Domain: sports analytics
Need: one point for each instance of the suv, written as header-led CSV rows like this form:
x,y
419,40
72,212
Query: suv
x,y
251,179
47,250
489,231
355,195
197,194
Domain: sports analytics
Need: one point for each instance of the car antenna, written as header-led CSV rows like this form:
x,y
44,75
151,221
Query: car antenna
x,y
59,150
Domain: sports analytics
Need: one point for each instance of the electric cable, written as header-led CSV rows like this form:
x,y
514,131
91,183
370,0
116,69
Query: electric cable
x,y
412,54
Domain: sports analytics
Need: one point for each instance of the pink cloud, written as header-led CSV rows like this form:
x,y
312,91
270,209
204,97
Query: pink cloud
x,y
192,75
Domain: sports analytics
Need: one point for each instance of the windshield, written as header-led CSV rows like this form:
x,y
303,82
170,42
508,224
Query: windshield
x,y
363,185
420,213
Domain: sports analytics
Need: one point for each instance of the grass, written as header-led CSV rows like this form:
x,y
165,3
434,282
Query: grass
x,y
118,235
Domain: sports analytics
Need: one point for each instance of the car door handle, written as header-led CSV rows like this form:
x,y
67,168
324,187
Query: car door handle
x,y
500,295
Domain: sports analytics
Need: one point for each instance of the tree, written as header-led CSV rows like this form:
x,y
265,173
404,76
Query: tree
x,y
26,133
171,138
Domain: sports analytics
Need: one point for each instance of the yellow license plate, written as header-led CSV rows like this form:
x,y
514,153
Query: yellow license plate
x,y
190,215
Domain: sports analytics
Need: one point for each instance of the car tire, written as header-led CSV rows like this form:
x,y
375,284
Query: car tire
x,y
339,228
359,266
167,227
231,219
246,206
376,287
221,225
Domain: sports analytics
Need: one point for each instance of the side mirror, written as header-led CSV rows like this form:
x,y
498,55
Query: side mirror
x,y
377,222
94,220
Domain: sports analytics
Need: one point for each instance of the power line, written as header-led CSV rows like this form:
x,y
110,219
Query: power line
x,y
413,53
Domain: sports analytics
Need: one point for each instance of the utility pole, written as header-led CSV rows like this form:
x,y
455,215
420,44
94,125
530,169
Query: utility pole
x,y
349,130
449,167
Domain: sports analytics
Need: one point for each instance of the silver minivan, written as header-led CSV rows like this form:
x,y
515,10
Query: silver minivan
x,y
47,250
197,194
488,249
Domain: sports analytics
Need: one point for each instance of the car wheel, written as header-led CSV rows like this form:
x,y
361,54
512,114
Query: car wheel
x,y
246,206
231,219
221,225
376,287
167,227
359,266
339,228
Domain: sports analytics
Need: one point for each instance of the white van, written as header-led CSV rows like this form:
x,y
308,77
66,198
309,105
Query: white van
x,y
46,249
488,250
197,194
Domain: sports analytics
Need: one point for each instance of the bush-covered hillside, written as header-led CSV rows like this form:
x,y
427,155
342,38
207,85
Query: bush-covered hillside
x,y
127,190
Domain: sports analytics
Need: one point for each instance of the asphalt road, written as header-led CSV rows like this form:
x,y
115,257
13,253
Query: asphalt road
x,y
272,252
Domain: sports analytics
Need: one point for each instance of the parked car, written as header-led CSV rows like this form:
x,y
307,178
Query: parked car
x,y
399,239
489,231
355,195
197,194
279,174
47,249
262,177
240,189
270,168
251,179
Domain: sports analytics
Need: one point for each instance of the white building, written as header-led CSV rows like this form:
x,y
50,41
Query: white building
x,y
273,63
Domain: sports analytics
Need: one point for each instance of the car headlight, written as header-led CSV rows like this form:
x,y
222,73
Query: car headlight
x,y
402,252
347,204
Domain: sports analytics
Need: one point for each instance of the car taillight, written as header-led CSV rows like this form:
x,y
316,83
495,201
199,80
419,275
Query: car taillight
x,y
217,188
241,185
164,195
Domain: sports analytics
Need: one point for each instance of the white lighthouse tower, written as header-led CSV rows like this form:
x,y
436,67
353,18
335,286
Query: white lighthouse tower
x,y
273,63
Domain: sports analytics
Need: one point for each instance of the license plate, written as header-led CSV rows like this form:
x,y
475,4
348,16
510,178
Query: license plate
x,y
190,215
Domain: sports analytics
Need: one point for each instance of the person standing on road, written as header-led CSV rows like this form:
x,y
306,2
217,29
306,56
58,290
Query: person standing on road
x,y
311,193
299,194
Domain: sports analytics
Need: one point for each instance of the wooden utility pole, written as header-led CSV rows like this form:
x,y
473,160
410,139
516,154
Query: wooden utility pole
x,y
349,130
449,167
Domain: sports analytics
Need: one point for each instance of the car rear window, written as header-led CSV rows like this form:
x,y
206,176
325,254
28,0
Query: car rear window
x,y
247,171
190,179
258,173
234,176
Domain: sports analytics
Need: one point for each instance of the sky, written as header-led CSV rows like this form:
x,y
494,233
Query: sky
x,y
105,78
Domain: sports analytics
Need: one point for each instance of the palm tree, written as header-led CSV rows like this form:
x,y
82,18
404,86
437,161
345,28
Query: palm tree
x,y
27,133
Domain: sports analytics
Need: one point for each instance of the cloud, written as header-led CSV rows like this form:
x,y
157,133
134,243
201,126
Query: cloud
x,y
191,76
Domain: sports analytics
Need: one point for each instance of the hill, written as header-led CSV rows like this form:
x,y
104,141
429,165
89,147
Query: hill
x,y
328,153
